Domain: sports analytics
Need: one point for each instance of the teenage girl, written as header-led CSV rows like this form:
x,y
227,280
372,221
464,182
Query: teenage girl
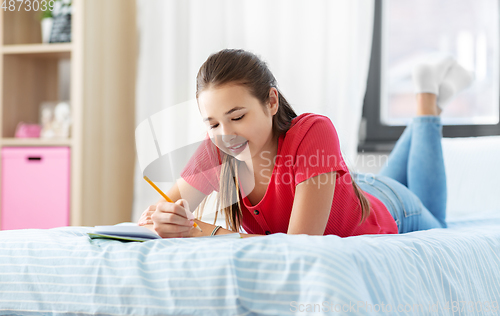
x,y
279,172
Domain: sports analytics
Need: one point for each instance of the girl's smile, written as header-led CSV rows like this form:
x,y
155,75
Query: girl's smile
x,y
237,149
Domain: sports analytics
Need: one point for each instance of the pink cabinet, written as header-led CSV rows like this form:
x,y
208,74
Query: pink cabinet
x,y
35,187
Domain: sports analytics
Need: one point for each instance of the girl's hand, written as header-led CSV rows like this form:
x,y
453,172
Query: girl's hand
x,y
169,219
145,218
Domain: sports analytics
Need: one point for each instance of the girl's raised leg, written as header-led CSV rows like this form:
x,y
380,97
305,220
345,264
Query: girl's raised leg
x,y
426,170
427,78
417,158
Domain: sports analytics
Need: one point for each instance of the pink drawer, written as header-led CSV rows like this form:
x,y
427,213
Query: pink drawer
x,y
35,187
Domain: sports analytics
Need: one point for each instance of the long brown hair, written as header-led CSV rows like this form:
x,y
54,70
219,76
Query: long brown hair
x,y
238,66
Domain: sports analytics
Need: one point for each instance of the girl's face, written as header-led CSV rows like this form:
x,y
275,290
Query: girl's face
x,y
237,122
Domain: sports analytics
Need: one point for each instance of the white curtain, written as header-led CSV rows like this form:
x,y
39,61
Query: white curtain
x,y
318,50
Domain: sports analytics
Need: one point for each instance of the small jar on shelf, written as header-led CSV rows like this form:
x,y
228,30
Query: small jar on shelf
x,y
55,119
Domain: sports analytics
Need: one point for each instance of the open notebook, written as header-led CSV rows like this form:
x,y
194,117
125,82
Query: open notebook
x,y
134,232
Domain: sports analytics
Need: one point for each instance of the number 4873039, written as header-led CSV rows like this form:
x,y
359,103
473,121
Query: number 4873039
x,y
28,5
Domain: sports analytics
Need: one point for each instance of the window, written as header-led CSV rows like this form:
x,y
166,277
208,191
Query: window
x,y
405,31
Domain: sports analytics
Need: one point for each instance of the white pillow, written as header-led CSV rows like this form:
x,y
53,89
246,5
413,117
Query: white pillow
x,y
473,176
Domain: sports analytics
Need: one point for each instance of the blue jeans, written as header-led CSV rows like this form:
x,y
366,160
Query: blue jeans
x,y
412,185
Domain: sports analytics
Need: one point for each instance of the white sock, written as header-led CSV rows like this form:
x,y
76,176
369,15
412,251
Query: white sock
x,y
427,76
456,79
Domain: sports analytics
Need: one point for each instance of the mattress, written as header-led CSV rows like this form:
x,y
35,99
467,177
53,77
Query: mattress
x,y
454,271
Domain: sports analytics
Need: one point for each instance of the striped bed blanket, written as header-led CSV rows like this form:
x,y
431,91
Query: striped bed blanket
x,y
454,271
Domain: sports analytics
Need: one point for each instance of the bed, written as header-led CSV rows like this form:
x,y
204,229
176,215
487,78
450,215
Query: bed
x,y
63,271
453,271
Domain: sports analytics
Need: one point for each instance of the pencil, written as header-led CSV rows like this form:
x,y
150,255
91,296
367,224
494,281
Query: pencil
x,y
166,197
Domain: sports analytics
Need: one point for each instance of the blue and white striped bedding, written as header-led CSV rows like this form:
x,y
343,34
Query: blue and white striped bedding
x,y
62,271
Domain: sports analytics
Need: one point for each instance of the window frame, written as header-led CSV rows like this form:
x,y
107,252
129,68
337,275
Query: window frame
x,y
374,136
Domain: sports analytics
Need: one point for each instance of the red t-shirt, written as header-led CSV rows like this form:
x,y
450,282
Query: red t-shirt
x,y
309,148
